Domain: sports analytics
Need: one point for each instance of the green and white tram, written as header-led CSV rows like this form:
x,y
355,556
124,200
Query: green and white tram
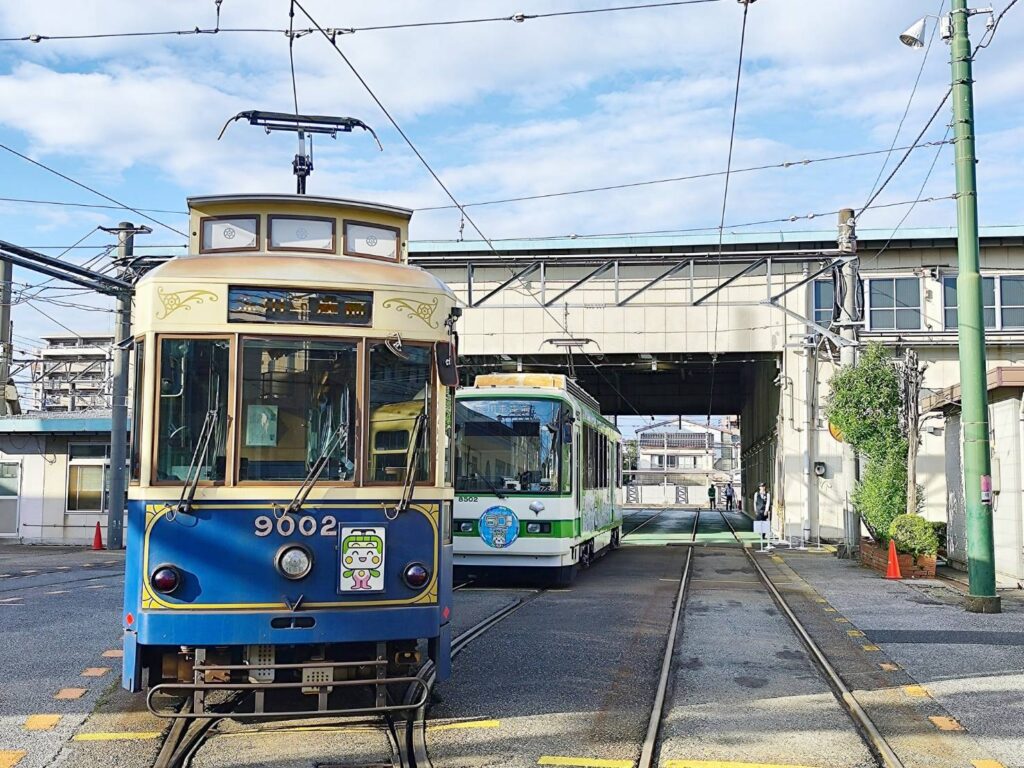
x,y
538,477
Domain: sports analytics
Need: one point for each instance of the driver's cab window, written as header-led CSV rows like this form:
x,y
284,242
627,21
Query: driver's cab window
x,y
399,397
193,405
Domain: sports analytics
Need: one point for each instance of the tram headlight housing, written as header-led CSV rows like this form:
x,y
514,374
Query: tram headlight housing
x,y
538,528
465,527
293,561
416,575
165,579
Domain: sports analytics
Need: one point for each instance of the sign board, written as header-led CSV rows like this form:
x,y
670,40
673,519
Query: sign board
x,y
362,559
763,527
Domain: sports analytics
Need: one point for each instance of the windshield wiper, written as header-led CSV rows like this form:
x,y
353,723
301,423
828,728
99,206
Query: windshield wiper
x,y
338,438
412,460
195,468
489,484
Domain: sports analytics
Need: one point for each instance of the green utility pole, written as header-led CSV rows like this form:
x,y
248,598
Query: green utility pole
x,y
971,332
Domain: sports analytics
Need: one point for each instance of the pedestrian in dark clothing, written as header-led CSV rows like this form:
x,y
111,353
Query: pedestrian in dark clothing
x,y
762,504
729,495
711,496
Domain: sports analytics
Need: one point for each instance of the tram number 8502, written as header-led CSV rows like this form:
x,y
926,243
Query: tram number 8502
x,y
286,525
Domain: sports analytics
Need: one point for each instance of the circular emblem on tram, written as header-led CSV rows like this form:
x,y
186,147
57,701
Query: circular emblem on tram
x,y
371,240
499,527
229,233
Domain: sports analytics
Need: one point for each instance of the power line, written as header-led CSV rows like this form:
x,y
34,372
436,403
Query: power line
x,y
441,184
334,31
672,179
910,100
71,204
995,26
725,192
90,189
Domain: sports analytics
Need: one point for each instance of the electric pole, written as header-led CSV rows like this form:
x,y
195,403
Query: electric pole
x,y
971,331
6,344
118,486
847,241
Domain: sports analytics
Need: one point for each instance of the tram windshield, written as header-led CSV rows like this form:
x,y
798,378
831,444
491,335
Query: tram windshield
x,y
193,382
298,403
512,445
399,392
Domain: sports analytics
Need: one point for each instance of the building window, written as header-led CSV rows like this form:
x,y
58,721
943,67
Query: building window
x,y
824,301
672,461
895,304
1012,301
87,477
949,301
657,461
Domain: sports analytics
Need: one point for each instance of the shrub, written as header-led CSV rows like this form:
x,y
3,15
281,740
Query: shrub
x,y
881,495
940,529
865,403
914,535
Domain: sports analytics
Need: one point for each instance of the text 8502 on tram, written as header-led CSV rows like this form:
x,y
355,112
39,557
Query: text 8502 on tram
x,y
538,477
290,506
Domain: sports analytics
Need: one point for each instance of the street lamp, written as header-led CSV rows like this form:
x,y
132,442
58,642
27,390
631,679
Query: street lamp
x,y
970,313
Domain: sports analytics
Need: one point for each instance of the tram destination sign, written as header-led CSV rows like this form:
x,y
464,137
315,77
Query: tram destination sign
x,y
302,307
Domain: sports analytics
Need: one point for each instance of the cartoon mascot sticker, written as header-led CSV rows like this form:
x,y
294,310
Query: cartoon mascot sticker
x,y
499,527
362,559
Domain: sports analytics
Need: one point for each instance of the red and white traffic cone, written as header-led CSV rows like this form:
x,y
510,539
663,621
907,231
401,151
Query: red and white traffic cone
x,y
97,538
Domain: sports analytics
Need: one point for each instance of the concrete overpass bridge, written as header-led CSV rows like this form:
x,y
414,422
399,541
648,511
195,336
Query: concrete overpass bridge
x,y
670,325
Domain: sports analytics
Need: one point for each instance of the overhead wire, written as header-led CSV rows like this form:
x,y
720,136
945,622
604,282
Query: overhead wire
x,y
440,183
90,189
725,192
71,204
992,31
515,17
910,101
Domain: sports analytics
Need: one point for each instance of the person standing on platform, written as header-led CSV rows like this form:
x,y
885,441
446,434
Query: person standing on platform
x,y
762,504
729,495
711,496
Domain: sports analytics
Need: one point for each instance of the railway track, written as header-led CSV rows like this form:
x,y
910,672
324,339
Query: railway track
x,y
407,739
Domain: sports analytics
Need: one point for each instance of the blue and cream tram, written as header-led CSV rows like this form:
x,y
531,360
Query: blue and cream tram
x,y
538,477
290,502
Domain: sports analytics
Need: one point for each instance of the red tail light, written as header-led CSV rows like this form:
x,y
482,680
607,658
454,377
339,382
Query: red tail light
x,y
165,579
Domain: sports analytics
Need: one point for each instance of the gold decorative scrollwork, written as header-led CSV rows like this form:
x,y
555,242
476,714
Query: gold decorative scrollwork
x,y
422,310
175,300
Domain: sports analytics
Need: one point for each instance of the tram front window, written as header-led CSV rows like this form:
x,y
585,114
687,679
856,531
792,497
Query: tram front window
x,y
512,446
193,401
298,404
399,395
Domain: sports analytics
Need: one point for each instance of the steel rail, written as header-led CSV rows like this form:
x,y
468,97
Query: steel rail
x,y
647,750
416,728
645,522
875,741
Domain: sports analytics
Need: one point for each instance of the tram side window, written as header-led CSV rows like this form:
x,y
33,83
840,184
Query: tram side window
x,y
298,406
137,401
399,392
193,402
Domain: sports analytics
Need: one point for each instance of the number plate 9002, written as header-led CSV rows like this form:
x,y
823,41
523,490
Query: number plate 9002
x,y
287,525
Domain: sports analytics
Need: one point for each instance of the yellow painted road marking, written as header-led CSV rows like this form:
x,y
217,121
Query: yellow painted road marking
x,y
41,722
830,610
95,671
916,691
726,764
854,633
113,654
70,693
987,764
889,666
777,559
871,648
584,762
117,736
945,723
11,757
842,620
467,724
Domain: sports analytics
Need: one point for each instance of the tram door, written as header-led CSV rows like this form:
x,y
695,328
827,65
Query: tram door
x,y
10,473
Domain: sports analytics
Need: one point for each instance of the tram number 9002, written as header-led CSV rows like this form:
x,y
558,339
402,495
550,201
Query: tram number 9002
x,y
286,525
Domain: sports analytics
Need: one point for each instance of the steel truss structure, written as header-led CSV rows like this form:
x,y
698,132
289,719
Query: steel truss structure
x,y
532,270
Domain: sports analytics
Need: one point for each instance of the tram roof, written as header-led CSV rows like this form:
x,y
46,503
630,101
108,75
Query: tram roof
x,y
271,198
295,269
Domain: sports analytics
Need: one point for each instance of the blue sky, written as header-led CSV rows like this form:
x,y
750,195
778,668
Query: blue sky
x,y
499,109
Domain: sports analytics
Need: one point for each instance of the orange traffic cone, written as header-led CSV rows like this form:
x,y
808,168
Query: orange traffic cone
x,y
97,538
893,571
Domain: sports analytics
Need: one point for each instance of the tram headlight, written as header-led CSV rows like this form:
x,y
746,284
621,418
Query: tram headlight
x,y
416,575
538,527
294,562
466,527
165,579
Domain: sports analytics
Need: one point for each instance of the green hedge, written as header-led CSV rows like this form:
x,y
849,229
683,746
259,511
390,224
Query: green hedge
x,y
881,494
914,535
